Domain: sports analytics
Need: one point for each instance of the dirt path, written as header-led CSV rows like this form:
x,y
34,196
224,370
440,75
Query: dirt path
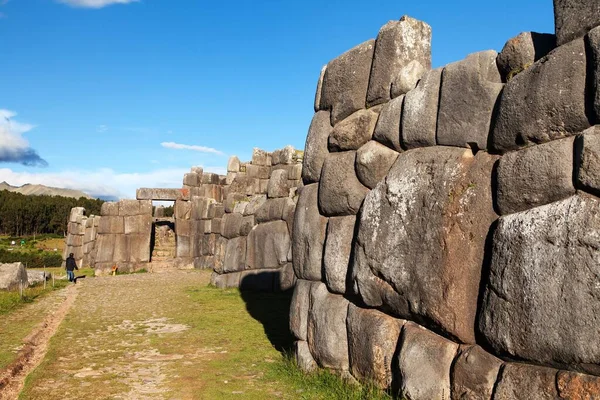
x,y
34,350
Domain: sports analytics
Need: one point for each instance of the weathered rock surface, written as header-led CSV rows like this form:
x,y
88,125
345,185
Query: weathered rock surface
x,y
574,18
469,92
315,150
327,337
233,165
424,364
520,381
520,52
346,81
387,130
340,191
338,246
353,132
373,161
372,338
420,112
408,78
235,255
319,89
535,176
278,184
474,374
37,277
577,386
299,307
157,194
13,276
542,301
309,235
593,42
587,165
546,102
304,359
434,210
398,43
268,245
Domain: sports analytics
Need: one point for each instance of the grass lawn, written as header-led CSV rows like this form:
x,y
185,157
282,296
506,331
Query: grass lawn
x,y
173,336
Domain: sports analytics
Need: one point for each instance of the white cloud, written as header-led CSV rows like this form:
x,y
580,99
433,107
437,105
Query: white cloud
x,y
105,181
101,128
14,148
95,3
202,149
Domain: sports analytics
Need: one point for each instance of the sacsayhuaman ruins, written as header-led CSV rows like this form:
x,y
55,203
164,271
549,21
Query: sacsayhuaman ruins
x,y
440,230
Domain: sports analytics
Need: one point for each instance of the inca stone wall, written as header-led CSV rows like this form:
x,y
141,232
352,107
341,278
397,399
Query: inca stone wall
x,y
253,247
447,239
81,237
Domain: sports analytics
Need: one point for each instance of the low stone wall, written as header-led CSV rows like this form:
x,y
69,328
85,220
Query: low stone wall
x,y
81,237
446,241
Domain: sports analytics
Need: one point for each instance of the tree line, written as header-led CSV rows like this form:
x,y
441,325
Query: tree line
x,y
22,215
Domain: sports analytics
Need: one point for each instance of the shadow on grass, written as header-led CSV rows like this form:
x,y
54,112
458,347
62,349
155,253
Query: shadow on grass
x,y
272,310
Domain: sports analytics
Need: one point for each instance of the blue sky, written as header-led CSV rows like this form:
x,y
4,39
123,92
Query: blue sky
x,y
93,87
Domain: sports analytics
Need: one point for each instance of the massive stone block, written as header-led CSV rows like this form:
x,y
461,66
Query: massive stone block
x,y
593,41
587,164
469,92
319,89
231,225
577,386
233,165
299,308
424,364
521,381
138,224
474,374
398,44
105,247
112,224
574,18
353,132
422,235
520,52
268,245
235,255
535,176
420,112
372,338
545,102
315,149
346,81
340,191
304,359
373,161
161,194
542,301
138,247
13,276
309,235
387,130
338,246
109,209
278,184
327,337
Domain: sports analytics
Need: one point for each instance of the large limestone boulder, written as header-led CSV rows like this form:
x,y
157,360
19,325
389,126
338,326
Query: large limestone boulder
x,y
346,81
434,209
37,277
268,245
542,301
587,165
420,112
304,359
398,44
309,235
340,191
373,161
522,381
469,92
574,18
372,338
535,176
13,276
387,130
593,41
315,149
338,247
474,374
424,363
235,255
545,102
299,307
353,132
520,52
327,337
319,89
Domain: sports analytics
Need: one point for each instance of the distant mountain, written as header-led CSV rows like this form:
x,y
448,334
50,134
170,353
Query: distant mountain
x,y
39,190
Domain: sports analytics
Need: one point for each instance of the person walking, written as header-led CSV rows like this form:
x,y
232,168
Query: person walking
x,y
71,266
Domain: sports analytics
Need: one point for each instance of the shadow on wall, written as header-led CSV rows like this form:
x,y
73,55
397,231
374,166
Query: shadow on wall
x,y
271,309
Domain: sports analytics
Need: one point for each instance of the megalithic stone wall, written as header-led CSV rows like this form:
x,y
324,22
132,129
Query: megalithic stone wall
x,y
253,247
446,241
81,237
124,234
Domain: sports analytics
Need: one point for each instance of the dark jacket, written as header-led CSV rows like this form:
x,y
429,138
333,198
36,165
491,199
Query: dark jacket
x,y
71,264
